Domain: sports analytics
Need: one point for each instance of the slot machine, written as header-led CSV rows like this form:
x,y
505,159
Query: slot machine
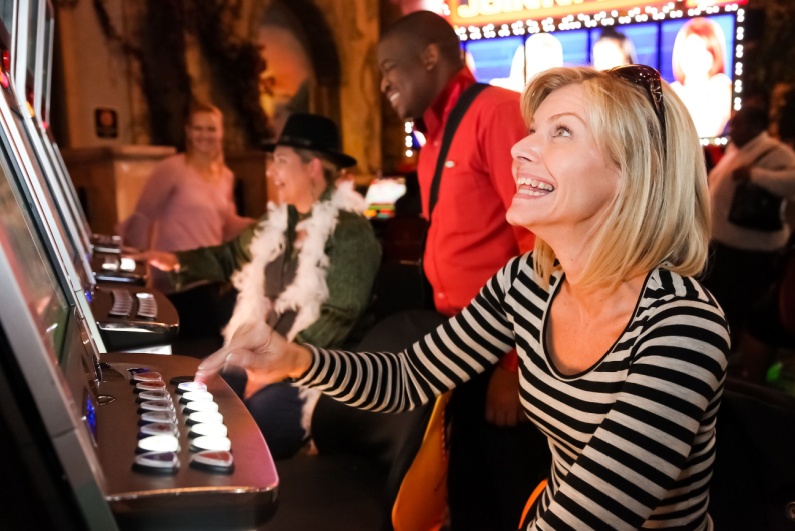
x,y
113,441
32,86
122,317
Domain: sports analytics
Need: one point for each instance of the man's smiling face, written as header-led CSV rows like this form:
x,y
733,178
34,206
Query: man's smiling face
x,y
406,80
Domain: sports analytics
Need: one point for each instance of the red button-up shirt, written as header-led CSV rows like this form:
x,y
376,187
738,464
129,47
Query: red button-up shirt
x,y
469,239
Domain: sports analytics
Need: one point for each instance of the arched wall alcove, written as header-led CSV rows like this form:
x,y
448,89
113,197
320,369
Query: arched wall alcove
x,y
321,56
303,72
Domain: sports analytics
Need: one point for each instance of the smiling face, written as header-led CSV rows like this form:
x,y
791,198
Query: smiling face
x,y
406,78
294,179
696,60
205,133
564,180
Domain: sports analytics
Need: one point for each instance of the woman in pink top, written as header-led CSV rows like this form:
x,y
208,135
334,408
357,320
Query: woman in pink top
x,y
187,202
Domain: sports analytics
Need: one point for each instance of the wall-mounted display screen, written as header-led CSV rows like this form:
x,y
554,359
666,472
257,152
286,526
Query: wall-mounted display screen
x,y
695,55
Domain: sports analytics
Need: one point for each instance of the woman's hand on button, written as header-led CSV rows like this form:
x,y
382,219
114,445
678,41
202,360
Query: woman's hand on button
x,y
255,346
159,259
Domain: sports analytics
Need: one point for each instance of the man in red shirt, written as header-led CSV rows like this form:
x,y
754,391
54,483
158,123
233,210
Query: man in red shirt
x,y
468,241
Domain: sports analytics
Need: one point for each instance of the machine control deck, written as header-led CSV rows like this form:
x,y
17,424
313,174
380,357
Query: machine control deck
x,y
179,454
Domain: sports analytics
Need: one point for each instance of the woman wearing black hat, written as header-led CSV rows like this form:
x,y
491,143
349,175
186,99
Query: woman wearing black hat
x,y
306,267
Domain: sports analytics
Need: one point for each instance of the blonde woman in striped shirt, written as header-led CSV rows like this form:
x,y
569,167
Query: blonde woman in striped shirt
x,y
622,353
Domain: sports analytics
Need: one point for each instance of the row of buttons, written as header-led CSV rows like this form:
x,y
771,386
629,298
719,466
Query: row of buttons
x,y
123,304
112,263
158,445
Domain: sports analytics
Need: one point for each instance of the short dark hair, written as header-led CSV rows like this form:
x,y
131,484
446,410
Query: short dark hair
x,y
426,27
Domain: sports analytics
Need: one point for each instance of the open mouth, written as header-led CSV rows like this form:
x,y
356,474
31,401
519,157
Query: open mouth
x,y
533,187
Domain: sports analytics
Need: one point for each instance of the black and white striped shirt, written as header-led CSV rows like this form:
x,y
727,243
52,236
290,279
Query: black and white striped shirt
x,y
632,438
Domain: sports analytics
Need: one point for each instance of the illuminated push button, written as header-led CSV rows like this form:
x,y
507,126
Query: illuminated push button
x,y
195,396
159,443
217,443
156,405
186,387
150,376
157,394
127,264
200,405
150,386
204,417
212,429
110,264
213,461
158,428
148,417
156,462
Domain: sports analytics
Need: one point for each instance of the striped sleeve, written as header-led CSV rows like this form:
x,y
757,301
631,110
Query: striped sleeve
x,y
456,351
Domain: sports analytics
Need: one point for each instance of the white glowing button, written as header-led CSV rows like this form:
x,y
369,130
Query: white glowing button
x,y
127,264
205,417
157,394
150,386
158,416
158,405
211,442
185,387
149,376
159,443
213,429
191,396
158,428
200,405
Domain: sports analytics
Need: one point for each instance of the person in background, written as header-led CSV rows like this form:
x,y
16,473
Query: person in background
x,y
305,268
423,76
540,52
698,61
622,352
187,201
612,49
744,260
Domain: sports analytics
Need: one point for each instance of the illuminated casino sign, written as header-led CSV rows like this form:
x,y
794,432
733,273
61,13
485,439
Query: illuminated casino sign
x,y
484,11
697,46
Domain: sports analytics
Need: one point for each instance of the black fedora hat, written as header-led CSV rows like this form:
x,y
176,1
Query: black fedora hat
x,y
315,133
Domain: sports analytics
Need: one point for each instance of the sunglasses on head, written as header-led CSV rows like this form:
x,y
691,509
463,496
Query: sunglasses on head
x,y
648,78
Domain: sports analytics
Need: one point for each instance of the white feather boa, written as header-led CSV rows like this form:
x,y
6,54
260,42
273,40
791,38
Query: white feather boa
x,y
309,289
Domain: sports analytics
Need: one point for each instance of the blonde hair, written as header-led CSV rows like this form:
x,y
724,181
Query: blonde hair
x,y
661,214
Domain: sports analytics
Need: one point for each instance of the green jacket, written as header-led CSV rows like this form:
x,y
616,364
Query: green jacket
x,y
354,256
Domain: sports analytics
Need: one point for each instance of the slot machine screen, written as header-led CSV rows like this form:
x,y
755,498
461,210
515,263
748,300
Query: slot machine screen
x,y
33,271
7,13
45,73
70,240
32,27
381,196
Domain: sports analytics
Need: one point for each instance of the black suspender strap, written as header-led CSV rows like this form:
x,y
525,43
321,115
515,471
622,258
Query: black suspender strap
x,y
461,106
